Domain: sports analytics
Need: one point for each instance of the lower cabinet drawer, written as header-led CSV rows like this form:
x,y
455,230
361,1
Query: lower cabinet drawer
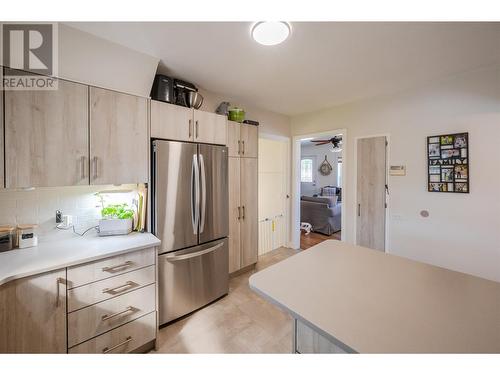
x,y
308,341
124,339
94,320
105,289
109,267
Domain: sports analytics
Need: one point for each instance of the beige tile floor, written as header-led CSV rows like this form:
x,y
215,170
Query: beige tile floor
x,y
241,322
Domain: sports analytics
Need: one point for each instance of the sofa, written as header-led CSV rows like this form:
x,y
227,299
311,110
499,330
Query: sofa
x,y
323,213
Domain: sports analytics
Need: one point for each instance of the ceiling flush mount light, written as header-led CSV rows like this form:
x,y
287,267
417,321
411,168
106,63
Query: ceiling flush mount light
x,y
270,33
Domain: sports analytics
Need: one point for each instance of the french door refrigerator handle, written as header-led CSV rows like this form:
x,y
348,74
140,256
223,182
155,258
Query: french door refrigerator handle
x,y
203,193
173,258
195,198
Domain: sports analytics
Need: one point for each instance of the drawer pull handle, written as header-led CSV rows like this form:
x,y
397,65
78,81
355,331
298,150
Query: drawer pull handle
x,y
107,350
128,285
112,269
107,317
59,281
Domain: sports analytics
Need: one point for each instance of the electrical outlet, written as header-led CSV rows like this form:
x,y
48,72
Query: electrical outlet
x,y
58,217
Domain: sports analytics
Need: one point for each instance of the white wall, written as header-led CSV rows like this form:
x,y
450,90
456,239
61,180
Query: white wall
x,y
319,153
39,206
463,230
85,58
271,123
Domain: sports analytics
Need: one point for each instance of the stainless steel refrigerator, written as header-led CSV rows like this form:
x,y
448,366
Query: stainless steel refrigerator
x,y
190,217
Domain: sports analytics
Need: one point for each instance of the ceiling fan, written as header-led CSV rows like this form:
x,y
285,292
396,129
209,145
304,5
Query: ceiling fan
x,y
335,141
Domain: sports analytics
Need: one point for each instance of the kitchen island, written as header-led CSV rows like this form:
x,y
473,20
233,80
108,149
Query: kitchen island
x,y
350,299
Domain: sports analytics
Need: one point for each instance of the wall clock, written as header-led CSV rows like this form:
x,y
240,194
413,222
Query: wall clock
x,y
325,168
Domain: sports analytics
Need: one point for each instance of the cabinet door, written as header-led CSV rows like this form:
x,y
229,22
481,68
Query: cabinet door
x,y
234,214
171,122
249,135
210,128
233,138
249,215
2,181
33,314
118,138
46,136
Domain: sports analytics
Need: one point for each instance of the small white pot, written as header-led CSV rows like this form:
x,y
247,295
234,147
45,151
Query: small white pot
x,y
113,227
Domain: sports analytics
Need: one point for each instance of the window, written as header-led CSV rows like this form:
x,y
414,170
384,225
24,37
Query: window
x,y
306,170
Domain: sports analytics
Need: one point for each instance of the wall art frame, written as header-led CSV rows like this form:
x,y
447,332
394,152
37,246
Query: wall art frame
x,y
448,163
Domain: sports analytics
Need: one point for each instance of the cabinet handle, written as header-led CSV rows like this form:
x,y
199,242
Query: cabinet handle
x,y
59,281
95,162
82,161
243,152
243,217
239,212
112,269
359,209
239,147
107,317
190,123
107,350
197,129
128,285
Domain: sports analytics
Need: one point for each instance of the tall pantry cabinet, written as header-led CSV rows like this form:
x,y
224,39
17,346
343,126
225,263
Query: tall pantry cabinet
x,y
243,198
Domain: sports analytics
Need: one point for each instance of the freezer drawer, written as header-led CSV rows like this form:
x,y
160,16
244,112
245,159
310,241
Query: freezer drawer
x,y
192,278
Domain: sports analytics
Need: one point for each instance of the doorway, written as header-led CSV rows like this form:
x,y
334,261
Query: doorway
x,y
371,192
274,193
318,188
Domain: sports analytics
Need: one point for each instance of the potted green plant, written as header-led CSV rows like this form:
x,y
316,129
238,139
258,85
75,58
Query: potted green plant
x,y
116,219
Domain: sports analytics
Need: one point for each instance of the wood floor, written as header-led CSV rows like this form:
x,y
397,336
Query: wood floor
x,y
241,322
313,238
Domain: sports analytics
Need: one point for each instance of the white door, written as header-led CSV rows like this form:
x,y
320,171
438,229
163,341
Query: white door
x,y
273,190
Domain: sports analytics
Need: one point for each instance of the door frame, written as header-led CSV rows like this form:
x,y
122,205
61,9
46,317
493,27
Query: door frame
x,y
387,196
287,177
296,156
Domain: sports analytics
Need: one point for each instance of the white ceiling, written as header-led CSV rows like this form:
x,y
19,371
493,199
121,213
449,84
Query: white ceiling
x,y
322,64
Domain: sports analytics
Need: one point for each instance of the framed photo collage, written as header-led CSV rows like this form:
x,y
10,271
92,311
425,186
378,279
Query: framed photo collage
x,y
448,163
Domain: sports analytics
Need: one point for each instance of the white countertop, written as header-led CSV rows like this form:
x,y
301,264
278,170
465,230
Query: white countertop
x,y
374,302
69,251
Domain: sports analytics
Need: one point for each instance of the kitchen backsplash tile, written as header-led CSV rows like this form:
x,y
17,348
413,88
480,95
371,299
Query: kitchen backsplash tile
x,y
38,206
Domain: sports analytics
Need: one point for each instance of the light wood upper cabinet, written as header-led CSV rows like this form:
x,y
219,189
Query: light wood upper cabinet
x,y
249,220
169,121
118,138
233,138
234,214
2,181
210,128
33,314
173,122
249,135
243,140
46,136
